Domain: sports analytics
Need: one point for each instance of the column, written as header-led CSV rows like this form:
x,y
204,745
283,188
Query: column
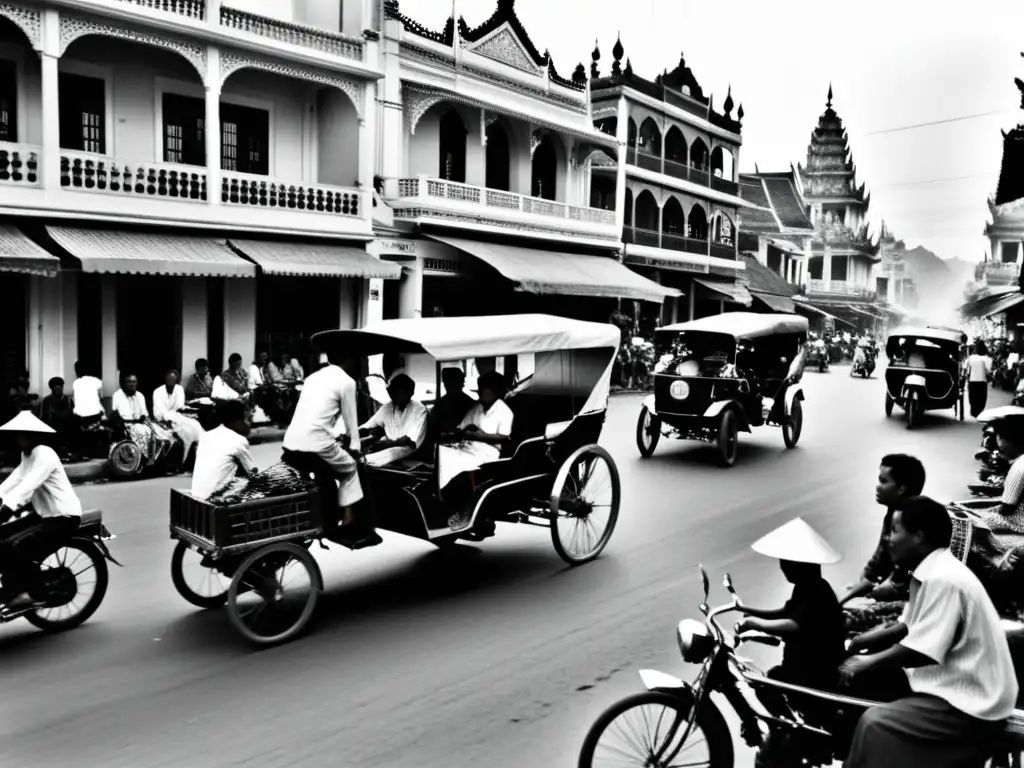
x,y
69,300
194,322
392,142
691,310
622,135
108,328
826,268
213,159
51,123
367,136
410,290
240,317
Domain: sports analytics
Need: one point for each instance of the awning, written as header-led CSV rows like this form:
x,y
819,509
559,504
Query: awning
x,y
811,308
150,253
1003,304
19,254
315,260
737,294
982,306
562,274
774,302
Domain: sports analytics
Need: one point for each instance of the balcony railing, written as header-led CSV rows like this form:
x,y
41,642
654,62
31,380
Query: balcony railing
x,y
839,287
301,35
998,273
19,164
108,175
698,174
264,192
723,251
439,189
672,241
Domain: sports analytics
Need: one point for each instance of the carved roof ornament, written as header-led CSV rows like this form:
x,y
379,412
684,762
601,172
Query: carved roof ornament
x,y
29,20
617,53
504,46
504,14
728,105
629,68
739,113
594,58
828,104
579,75
682,78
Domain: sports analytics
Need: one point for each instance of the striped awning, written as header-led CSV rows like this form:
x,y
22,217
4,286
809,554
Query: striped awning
x,y
20,254
732,292
315,260
150,253
774,302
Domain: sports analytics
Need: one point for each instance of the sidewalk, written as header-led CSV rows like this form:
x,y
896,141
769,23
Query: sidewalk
x,y
96,469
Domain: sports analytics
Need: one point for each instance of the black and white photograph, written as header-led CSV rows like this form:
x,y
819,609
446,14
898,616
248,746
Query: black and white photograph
x,y
511,383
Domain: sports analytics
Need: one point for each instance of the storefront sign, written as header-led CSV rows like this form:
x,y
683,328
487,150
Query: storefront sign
x,y
677,265
374,294
407,247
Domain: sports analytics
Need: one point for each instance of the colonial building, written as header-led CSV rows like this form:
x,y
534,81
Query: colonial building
x,y
894,284
484,167
182,179
674,190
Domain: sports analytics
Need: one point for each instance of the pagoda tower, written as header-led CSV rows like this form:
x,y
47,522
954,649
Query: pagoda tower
x,y
1006,230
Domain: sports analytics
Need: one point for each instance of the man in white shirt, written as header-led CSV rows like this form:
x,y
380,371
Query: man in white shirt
x,y
327,396
167,401
39,480
130,406
399,426
483,431
87,392
955,652
223,454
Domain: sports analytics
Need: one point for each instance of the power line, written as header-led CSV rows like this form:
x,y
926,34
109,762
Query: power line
x,y
938,122
922,182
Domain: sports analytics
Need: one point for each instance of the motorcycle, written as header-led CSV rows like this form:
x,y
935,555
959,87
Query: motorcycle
x,y
65,575
675,715
863,366
992,468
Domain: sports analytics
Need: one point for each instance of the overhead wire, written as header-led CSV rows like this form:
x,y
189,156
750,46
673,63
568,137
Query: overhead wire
x,y
942,121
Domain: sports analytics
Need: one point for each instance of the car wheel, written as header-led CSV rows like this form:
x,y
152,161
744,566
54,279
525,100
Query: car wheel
x,y
728,438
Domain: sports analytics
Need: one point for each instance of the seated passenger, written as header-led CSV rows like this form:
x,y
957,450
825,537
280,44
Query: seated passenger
x,y
398,428
451,408
481,433
129,406
58,411
168,400
223,461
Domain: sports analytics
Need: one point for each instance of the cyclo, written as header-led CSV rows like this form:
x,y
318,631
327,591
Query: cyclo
x,y
553,474
722,374
925,372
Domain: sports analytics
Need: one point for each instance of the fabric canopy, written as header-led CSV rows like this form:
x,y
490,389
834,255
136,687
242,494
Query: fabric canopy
x,y
742,325
1003,303
979,306
150,253
19,254
737,294
811,308
562,274
775,303
315,260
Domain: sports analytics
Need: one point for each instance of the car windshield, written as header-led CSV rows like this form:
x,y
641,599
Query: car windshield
x,y
693,354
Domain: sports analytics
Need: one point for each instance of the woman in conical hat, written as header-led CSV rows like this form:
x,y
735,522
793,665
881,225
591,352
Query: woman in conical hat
x,y
39,480
811,622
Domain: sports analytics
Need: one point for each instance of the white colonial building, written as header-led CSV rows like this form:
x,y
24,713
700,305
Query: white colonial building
x,y
182,179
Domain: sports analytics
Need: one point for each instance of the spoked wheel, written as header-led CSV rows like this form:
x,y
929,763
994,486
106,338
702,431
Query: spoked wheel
x,y
200,584
889,403
584,505
76,577
648,433
794,426
728,438
274,593
125,459
646,730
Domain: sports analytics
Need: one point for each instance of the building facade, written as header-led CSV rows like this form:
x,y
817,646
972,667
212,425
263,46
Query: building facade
x,y
135,238
1006,230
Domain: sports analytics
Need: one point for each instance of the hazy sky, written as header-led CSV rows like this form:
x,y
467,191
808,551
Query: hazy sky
x,y
892,63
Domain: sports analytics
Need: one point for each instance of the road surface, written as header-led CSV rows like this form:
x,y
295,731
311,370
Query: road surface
x,y
501,656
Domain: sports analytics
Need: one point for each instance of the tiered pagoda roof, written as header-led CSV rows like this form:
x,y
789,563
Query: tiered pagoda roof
x,y
1011,174
830,174
781,210
679,88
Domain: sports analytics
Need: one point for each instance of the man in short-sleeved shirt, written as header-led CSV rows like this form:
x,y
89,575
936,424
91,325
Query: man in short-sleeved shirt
x,y
223,453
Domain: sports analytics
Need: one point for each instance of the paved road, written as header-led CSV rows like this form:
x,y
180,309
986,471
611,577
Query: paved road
x,y
501,657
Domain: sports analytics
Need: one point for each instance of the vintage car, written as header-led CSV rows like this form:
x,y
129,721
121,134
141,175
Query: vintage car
x,y
926,371
724,374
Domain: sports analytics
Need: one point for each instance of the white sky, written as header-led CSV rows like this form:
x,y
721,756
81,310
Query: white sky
x,y
892,63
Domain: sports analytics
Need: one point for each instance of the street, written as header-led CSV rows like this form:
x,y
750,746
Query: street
x,y
499,655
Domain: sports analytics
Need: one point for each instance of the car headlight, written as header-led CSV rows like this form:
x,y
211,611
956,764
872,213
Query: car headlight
x,y
679,390
695,642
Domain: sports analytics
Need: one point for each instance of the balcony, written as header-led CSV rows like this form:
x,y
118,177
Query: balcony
x,y
299,35
263,192
19,164
671,241
701,175
997,273
425,197
839,288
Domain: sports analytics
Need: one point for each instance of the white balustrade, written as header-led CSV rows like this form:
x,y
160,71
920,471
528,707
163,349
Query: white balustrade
x,y
19,164
192,9
293,34
97,173
264,192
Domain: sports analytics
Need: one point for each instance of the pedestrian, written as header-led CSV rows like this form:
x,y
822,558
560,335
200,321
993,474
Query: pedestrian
x,y
979,368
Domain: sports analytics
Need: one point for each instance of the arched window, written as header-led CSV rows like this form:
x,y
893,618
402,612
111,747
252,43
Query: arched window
x,y
699,155
545,170
647,213
722,163
675,146
723,230
498,162
698,223
631,138
673,220
650,138
452,163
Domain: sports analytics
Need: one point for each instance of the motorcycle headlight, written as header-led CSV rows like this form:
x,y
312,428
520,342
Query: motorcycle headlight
x,y
695,642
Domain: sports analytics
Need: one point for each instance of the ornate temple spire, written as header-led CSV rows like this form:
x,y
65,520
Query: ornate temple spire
x,y
828,104
728,105
629,68
617,53
739,113
594,58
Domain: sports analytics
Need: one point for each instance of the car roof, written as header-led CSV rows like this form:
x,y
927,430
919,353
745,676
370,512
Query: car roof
x,y
743,325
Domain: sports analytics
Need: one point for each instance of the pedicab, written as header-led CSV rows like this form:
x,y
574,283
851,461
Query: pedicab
x,y
721,375
551,474
925,372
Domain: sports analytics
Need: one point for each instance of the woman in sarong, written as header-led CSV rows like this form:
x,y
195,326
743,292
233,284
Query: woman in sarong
x,y
168,400
128,403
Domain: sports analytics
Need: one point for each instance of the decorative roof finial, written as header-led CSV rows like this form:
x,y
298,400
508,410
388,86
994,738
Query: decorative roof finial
x,y
618,51
629,68
828,104
728,101
595,57
579,76
739,113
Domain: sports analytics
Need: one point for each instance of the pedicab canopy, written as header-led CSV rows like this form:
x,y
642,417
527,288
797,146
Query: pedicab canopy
x,y
743,325
931,334
571,357
797,542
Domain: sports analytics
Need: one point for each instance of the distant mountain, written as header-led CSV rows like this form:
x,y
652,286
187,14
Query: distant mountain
x,y
940,284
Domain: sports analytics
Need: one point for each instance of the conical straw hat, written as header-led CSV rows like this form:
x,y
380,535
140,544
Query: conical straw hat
x,y
26,422
798,542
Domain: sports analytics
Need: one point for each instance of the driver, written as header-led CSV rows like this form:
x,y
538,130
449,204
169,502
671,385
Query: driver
x,y
398,428
39,480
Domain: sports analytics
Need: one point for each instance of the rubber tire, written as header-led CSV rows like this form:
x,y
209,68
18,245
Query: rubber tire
x,y
307,615
913,413
791,435
960,406
102,582
127,470
822,368
728,428
647,451
556,494
889,403
178,578
710,721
